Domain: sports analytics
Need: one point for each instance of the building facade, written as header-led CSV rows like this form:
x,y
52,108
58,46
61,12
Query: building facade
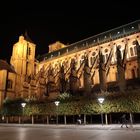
x,y
109,61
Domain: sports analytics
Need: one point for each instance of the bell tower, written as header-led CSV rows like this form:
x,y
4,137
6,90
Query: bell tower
x,y
23,61
23,56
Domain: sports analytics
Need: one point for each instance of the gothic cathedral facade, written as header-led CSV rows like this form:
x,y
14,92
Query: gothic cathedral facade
x,y
107,62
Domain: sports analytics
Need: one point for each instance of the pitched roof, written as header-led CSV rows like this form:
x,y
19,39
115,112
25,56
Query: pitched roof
x,y
27,38
5,66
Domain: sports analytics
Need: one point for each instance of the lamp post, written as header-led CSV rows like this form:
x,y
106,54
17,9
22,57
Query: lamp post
x,y
23,106
101,100
57,104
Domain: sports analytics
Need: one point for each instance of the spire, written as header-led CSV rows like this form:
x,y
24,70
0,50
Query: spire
x,y
27,38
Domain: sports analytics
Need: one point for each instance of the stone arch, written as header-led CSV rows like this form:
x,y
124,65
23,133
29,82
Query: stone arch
x,y
92,57
105,53
81,58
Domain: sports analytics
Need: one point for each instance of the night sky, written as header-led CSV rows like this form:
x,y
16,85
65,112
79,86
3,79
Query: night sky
x,y
68,23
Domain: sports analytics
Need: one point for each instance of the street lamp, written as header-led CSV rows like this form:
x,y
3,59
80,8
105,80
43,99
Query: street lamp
x,y
101,100
57,104
23,106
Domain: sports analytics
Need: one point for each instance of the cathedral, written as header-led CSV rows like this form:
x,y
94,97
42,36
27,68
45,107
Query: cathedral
x,y
106,62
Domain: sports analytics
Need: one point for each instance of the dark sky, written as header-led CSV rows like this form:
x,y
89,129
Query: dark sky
x,y
68,23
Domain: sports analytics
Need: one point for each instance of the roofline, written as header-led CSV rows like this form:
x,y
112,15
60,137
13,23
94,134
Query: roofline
x,y
97,38
104,32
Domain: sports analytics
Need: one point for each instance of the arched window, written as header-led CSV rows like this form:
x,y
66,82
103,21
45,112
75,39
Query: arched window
x,y
105,56
135,50
29,51
63,63
82,59
9,84
131,51
72,60
73,63
92,58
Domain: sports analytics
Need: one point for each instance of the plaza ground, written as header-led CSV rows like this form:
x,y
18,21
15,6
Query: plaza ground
x,y
68,132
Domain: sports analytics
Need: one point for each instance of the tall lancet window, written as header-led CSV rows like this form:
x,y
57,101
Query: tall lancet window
x,y
135,50
131,51
105,56
82,59
92,58
28,49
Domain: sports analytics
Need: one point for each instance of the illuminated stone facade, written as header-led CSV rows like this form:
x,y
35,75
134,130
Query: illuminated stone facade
x,y
105,62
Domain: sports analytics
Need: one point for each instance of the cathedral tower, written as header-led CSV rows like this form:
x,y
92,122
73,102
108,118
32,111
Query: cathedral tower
x,y
23,60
